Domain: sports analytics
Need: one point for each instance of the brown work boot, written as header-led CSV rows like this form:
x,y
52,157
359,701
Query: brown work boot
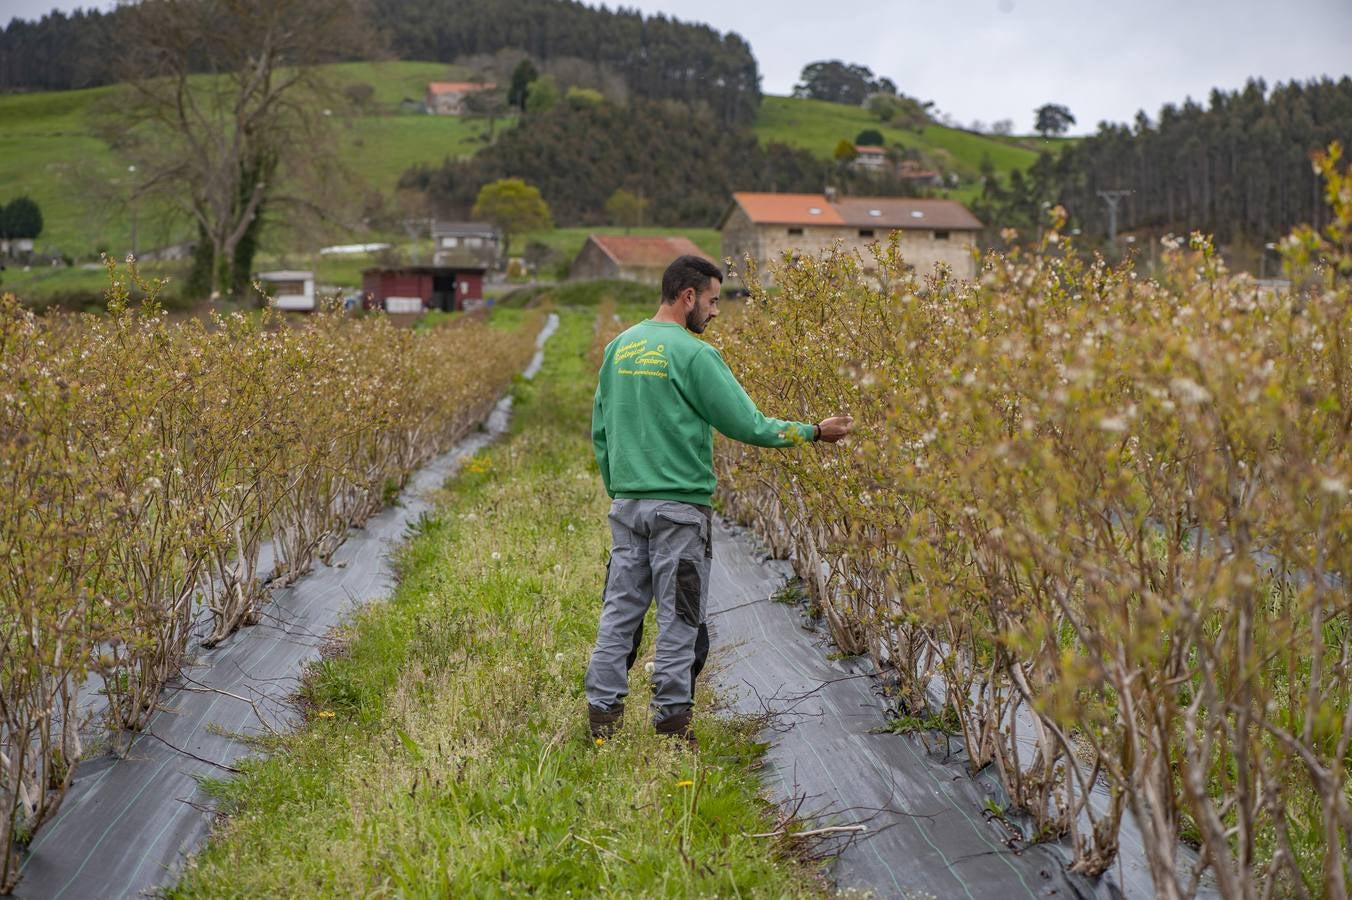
x,y
604,724
678,725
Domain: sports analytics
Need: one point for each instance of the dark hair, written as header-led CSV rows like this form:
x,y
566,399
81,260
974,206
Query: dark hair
x,y
688,272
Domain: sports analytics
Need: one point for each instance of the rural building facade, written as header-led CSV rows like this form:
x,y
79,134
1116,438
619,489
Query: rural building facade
x,y
290,290
765,227
868,156
447,98
465,244
630,258
415,289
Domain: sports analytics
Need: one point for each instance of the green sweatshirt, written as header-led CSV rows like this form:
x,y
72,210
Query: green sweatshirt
x,y
660,393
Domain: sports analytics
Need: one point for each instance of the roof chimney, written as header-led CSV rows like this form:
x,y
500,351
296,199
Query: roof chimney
x,y
831,194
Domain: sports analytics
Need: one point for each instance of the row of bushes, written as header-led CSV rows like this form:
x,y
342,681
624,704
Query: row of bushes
x,y
1107,518
144,466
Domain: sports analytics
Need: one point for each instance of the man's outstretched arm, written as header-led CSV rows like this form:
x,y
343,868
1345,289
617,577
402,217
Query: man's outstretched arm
x,y
719,398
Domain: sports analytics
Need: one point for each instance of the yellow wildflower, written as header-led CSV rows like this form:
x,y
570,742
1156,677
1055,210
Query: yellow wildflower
x,y
327,714
686,783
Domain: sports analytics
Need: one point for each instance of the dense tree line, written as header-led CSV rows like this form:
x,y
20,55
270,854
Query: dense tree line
x,y
675,156
1238,168
657,56
57,52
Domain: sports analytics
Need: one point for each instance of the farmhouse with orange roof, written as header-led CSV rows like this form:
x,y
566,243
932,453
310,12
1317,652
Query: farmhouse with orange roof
x,y
766,226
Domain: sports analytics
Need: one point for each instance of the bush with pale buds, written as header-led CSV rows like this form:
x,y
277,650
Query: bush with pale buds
x,y
1108,518
145,463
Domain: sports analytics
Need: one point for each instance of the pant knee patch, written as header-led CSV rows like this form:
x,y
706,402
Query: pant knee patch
x,y
688,591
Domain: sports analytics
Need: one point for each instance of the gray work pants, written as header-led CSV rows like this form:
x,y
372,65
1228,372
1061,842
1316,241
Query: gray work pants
x,y
660,550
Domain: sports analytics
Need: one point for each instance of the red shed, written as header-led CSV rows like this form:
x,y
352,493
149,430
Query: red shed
x,y
413,289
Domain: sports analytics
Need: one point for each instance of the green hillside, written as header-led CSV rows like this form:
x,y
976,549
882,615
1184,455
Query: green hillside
x,y
48,151
818,126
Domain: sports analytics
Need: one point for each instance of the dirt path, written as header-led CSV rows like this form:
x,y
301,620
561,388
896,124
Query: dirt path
x,y
930,830
127,823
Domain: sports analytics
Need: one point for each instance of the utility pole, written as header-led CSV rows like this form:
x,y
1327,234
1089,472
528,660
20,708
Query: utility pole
x,y
1112,198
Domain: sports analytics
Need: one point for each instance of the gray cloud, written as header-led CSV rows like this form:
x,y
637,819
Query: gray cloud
x,y
997,59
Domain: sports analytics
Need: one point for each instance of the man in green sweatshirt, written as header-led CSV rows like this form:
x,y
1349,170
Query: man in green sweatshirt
x,y
660,394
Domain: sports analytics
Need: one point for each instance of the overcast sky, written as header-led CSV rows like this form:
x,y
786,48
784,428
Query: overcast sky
x,y
995,59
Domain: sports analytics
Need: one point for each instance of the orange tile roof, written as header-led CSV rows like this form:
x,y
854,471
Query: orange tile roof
x,y
870,149
788,208
458,87
872,212
647,252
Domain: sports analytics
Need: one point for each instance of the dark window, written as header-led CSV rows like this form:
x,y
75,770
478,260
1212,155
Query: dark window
x,y
866,232
795,231
941,235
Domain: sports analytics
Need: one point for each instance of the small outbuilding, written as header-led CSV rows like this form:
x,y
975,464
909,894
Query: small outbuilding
x,y
868,156
630,257
415,289
447,98
15,246
465,245
290,290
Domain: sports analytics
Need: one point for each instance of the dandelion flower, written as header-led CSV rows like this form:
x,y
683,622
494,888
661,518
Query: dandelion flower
x,y
327,714
685,783
497,555
558,657
600,741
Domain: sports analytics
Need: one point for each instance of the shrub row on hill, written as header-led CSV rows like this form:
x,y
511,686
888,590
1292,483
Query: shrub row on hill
x,y
143,466
1107,517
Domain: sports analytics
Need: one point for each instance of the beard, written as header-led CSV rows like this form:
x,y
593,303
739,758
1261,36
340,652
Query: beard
x,y
694,323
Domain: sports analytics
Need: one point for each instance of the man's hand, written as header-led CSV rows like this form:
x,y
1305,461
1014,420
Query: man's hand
x,y
834,428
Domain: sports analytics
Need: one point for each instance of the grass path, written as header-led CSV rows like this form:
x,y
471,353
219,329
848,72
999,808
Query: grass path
x,y
446,753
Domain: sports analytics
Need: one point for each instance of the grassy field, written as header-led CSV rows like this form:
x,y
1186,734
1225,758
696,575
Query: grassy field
x,y
446,752
49,151
629,295
817,126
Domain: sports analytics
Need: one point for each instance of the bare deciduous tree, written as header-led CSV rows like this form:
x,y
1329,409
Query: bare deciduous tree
x,y
226,115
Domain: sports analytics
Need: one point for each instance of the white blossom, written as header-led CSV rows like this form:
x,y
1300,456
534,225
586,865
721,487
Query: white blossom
x,y
1190,391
